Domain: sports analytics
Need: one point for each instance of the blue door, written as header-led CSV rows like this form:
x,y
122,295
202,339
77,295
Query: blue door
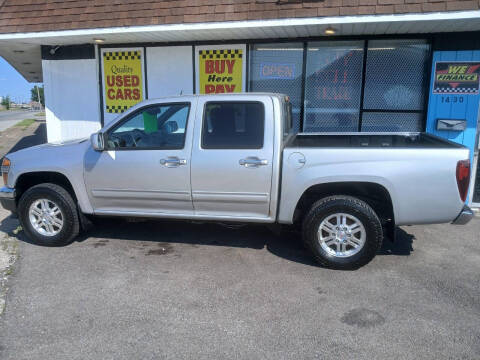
x,y
456,101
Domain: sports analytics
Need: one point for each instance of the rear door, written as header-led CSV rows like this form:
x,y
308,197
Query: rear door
x,y
232,157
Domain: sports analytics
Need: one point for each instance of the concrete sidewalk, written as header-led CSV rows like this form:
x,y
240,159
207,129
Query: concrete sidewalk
x,y
13,139
12,117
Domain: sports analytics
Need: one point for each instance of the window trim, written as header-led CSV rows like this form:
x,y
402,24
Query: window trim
x,y
202,145
135,113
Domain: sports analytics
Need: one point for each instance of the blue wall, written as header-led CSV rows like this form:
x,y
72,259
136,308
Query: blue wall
x,y
445,106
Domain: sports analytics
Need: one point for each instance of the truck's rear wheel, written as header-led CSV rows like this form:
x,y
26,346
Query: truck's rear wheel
x,y
48,215
342,232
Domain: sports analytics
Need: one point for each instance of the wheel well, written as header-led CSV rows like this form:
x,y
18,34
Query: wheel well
x,y
27,180
373,194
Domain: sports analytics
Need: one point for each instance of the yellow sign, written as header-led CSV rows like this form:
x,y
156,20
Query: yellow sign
x,y
221,71
122,72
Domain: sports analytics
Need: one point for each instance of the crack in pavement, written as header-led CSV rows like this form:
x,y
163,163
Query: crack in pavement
x,y
8,253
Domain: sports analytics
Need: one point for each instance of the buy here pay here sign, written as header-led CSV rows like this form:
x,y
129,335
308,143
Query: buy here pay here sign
x,y
220,70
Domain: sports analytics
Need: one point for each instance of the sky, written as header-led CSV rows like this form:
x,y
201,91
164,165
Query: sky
x,y
13,84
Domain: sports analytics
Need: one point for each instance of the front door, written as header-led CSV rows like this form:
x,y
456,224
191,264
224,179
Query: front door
x,y
232,158
146,167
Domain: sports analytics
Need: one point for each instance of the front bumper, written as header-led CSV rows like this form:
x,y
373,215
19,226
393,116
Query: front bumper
x,y
7,199
464,217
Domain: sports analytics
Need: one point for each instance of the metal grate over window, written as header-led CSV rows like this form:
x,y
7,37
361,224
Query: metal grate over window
x,y
339,86
395,74
391,122
395,83
278,68
333,86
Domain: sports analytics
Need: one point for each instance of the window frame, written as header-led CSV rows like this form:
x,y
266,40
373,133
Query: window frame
x,y
135,113
354,44
426,87
423,38
204,124
289,44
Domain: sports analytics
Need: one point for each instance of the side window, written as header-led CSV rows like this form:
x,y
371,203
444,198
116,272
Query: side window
x,y
154,127
233,125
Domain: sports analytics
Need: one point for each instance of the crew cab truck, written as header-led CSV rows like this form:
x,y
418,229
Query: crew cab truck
x,y
235,158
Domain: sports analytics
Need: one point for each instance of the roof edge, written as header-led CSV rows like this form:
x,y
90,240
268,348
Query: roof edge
x,y
447,15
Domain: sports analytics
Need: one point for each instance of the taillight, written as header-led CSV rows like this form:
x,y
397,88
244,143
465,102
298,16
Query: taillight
x,y
5,169
463,178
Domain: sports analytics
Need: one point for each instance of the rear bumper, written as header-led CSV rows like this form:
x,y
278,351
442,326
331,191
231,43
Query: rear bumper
x,y
7,199
464,217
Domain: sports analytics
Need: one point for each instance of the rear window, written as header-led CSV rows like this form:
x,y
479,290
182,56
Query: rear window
x,y
233,125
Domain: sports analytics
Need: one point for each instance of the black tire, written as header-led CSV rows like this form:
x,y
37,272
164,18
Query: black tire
x,y
63,200
348,205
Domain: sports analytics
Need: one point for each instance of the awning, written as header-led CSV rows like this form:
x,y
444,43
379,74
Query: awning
x,y
22,50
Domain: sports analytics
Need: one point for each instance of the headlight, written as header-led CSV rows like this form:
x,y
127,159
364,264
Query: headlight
x,y
5,169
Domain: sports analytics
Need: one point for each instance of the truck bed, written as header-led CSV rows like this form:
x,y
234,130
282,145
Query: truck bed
x,y
370,140
417,170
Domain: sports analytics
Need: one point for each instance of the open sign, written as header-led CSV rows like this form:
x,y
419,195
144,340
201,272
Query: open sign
x,y
277,71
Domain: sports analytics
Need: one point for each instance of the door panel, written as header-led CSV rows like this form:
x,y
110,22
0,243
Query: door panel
x,y
147,169
137,181
232,164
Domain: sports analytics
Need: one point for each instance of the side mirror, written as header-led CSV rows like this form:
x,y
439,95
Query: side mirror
x,y
171,127
97,141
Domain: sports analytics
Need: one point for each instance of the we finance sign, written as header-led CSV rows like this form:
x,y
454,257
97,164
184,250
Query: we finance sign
x,y
456,78
220,70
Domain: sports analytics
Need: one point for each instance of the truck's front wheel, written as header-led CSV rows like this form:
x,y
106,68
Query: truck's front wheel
x,y
48,215
342,232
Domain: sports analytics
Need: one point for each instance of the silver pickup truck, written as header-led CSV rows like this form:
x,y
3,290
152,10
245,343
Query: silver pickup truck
x,y
235,158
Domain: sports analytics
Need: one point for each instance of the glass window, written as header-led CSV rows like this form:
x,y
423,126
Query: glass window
x,y
278,68
333,85
394,84
233,125
153,127
395,74
391,122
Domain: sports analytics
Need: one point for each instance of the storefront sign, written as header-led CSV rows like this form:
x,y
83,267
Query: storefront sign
x,y
123,79
277,71
456,78
220,70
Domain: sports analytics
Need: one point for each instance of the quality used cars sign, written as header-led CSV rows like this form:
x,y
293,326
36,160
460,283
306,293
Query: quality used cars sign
x,y
122,71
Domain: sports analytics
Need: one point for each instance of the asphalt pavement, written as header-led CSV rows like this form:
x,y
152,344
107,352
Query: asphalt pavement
x,y
174,290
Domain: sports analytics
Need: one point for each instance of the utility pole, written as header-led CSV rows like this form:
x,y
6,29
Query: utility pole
x,y
38,96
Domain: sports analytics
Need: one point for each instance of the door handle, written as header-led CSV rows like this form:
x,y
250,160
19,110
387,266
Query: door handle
x,y
253,161
173,161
